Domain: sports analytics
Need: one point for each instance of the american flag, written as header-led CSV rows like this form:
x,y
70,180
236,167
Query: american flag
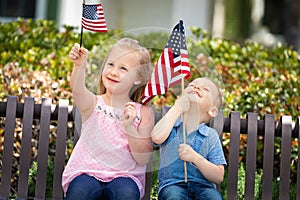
x,y
93,17
172,65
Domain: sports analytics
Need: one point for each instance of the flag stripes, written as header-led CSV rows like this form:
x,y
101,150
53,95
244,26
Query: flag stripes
x,y
172,66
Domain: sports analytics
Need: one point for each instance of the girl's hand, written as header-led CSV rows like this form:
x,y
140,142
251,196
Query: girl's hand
x,y
78,55
130,114
187,153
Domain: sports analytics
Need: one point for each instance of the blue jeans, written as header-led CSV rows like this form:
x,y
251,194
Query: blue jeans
x,y
189,191
87,187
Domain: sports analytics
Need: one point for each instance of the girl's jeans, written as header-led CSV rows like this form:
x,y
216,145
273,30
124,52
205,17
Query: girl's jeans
x,y
86,187
188,191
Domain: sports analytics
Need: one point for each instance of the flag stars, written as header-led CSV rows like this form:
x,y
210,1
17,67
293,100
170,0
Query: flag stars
x,y
90,12
177,40
169,69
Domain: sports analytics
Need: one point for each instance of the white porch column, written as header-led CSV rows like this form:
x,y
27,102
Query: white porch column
x,y
41,9
70,12
193,13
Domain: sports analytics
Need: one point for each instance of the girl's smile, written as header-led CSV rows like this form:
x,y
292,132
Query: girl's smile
x,y
112,80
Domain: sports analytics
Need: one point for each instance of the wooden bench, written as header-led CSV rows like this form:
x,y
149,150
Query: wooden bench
x,y
64,118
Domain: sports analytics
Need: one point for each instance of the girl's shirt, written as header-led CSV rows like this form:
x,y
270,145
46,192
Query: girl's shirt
x,y
102,150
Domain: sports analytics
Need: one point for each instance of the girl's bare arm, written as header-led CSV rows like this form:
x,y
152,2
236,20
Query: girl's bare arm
x,y
139,139
83,98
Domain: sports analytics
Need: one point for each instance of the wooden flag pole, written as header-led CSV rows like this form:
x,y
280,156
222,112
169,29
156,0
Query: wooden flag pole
x,y
81,36
81,32
183,129
182,115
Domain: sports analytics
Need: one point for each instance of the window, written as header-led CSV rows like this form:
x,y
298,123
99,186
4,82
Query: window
x,y
17,8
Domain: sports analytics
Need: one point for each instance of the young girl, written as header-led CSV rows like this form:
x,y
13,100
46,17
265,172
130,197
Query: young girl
x,y
110,157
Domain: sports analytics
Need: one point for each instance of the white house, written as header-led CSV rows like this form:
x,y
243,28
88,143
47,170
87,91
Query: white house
x,y
126,15
138,14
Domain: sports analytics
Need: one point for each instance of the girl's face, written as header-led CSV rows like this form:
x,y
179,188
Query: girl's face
x,y
120,71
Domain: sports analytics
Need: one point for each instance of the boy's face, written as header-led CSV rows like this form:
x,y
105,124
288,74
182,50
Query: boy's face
x,y
204,92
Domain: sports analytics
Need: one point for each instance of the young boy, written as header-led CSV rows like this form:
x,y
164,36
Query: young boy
x,y
203,150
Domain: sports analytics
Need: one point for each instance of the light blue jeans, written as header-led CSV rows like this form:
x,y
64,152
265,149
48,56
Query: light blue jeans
x,y
85,187
189,191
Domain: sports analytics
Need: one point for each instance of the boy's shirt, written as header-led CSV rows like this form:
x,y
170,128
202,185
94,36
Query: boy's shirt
x,y
203,140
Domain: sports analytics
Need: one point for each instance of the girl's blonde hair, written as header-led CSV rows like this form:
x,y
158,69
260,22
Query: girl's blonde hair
x,y
143,71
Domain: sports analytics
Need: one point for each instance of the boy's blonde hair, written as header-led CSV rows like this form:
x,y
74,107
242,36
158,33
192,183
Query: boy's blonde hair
x,y
217,96
143,71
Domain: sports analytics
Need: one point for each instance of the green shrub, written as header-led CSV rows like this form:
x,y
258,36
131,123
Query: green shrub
x,y
49,176
254,78
241,184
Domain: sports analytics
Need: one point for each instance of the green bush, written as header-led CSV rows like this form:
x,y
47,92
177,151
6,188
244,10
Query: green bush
x,y
257,185
254,78
49,177
241,183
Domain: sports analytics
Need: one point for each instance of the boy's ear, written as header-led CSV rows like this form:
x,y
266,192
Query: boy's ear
x,y
213,112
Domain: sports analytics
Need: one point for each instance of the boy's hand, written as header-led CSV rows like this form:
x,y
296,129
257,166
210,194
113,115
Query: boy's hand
x,y
182,104
187,153
78,55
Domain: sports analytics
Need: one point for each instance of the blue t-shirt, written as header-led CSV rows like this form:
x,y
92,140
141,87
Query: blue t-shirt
x,y
204,140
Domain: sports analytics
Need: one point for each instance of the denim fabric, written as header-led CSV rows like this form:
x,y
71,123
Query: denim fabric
x,y
203,140
85,187
189,191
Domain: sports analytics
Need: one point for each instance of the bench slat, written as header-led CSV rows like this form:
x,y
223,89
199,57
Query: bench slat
x,y
148,182
42,159
268,127
285,161
251,155
297,132
268,158
218,124
149,169
76,124
233,165
7,159
157,115
60,148
25,147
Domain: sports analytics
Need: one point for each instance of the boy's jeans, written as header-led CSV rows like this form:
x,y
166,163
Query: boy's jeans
x,y
188,191
87,187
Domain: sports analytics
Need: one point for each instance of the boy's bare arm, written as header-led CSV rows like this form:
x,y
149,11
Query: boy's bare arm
x,y
163,127
213,173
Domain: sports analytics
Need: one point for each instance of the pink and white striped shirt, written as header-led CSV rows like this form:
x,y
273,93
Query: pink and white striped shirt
x,y
103,151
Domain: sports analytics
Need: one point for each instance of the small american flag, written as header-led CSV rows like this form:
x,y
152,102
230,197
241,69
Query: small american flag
x,y
171,66
93,17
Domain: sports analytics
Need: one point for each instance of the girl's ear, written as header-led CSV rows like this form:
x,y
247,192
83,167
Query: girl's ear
x,y
213,112
137,82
